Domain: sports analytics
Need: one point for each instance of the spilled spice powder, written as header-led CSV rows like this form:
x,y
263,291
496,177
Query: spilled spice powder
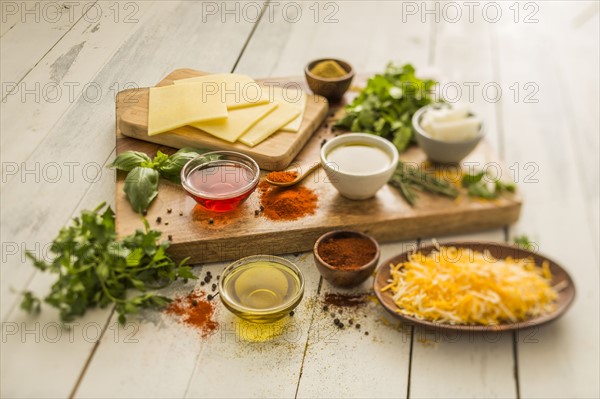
x,y
195,311
347,252
282,177
344,305
343,300
287,203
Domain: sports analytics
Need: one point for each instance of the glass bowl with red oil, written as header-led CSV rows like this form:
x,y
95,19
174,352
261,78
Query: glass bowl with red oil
x,y
220,181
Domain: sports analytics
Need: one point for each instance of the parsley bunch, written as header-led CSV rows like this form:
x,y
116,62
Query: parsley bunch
x,y
96,269
385,107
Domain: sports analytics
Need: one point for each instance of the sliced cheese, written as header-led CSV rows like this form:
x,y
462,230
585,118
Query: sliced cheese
x,y
237,90
237,123
281,116
174,106
292,96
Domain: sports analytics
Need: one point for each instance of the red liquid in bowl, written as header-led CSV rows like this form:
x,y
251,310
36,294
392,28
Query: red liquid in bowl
x,y
221,186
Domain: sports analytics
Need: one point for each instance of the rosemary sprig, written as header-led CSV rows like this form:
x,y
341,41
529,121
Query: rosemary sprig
x,y
407,178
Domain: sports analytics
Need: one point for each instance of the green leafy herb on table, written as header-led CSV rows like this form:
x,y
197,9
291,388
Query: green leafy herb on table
x,y
524,242
141,183
385,107
96,269
408,178
479,185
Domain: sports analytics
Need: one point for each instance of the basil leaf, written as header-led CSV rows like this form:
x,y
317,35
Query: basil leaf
x,y
159,160
171,169
128,160
141,187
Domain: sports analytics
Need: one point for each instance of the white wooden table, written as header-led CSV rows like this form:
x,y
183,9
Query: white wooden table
x,y
60,72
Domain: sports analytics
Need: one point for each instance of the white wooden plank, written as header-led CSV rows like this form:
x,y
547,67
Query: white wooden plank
x,y
561,359
37,343
61,78
263,369
579,40
158,363
33,28
286,47
86,135
282,48
339,361
464,365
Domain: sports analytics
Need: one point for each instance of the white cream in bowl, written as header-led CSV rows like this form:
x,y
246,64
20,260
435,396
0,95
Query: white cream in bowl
x,y
359,164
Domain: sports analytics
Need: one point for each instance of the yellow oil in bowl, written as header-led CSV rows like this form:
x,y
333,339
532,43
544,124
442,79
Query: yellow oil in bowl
x,y
261,289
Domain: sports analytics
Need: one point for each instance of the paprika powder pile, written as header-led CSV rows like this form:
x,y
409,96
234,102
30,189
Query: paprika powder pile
x,y
282,177
287,203
347,253
195,311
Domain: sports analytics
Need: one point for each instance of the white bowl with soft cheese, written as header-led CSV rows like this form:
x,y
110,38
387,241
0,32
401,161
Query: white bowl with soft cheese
x,y
359,164
446,133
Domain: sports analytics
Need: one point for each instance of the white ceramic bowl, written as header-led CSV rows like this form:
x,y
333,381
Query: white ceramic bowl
x,y
359,186
439,150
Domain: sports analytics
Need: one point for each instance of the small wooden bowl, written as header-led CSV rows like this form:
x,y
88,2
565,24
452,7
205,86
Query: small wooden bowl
x,y
340,277
332,89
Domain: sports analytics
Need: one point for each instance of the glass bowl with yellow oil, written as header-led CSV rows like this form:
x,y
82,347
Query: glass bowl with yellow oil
x,y
261,288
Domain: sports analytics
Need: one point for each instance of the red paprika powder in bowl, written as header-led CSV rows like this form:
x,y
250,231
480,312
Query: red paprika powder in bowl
x,y
346,258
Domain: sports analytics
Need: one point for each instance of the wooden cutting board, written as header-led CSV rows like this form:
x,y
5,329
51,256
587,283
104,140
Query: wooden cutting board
x,y
275,153
240,233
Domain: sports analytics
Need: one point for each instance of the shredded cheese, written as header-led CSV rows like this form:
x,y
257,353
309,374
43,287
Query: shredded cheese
x,y
461,286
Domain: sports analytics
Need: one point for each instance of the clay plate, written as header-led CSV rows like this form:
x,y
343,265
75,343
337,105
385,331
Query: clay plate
x,y
560,279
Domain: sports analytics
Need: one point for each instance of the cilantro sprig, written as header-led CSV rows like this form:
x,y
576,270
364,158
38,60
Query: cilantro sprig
x,y
96,269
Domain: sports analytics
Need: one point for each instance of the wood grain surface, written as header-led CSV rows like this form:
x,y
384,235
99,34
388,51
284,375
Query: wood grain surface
x,y
275,153
241,233
557,132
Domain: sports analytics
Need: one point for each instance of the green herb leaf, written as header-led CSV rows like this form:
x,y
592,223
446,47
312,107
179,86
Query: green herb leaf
x,y
141,187
386,105
159,160
30,303
469,179
128,160
171,169
477,186
524,242
406,177
96,269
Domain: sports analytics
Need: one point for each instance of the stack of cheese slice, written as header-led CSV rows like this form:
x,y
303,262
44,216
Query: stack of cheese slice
x,y
230,107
